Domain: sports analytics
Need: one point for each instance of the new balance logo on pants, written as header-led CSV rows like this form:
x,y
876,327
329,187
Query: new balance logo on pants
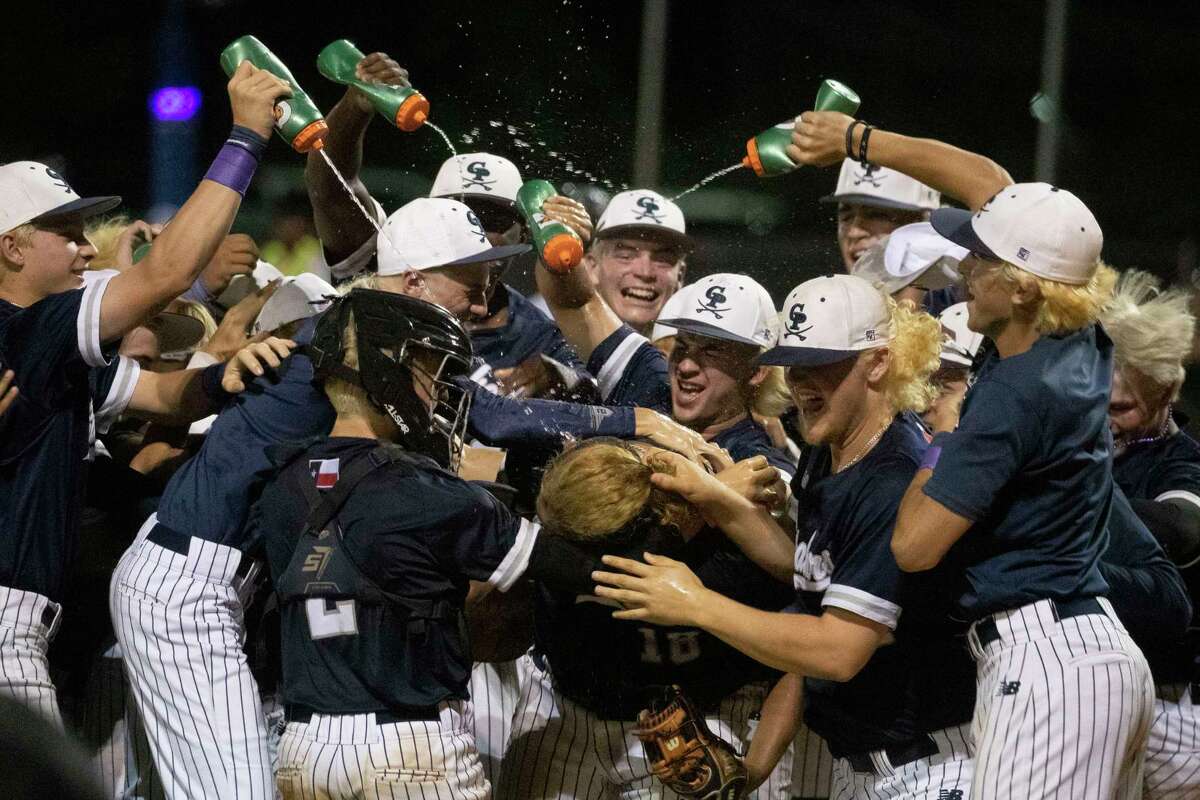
x,y
1009,687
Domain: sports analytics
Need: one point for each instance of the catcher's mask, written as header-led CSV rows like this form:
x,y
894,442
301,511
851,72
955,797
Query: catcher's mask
x,y
391,331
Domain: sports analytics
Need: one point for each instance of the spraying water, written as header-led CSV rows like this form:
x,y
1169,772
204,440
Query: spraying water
x,y
345,185
709,179
445,138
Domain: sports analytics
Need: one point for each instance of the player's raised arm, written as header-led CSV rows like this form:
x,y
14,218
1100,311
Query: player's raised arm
x,y
187,244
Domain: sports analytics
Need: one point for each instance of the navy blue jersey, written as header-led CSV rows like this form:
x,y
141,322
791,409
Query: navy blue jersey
x,y
210,495
938,300
616,667
922,682
415,532
527,333
631,371
747,439
64,374
1164,469
1030,466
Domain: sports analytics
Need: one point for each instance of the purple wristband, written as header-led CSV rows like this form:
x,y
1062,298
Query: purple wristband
x,y
233,167
931,458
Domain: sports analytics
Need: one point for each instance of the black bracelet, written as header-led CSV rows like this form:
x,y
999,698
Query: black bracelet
x,y
862,144
850,137
248,140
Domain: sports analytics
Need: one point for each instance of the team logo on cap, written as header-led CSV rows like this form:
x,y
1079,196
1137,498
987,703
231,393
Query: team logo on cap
x,y
479,170
796,318
714,298
59,180
476,226
649,208
870,174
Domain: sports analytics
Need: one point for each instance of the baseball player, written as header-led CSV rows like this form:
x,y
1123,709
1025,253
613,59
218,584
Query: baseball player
x,y
56,337
1027,474
1157,466
372,544
886,684
589,675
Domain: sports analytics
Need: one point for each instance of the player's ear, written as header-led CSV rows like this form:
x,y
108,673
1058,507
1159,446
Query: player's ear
x,y
1026,291
880,360
11,250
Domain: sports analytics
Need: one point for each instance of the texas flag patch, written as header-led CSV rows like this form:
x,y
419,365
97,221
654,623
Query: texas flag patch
x,y
324,471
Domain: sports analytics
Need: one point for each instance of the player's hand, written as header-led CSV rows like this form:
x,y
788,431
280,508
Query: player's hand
x,y
819,138
756,480
376,68
255,359
8,391
253,93
234,331
571,213
530,378
694,483
662,590
138,229
667,433
236,255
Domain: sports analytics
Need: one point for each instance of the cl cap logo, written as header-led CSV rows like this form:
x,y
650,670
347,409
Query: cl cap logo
x,y
476,226
796,318
870,174
479,170
649,207
714,299
59,181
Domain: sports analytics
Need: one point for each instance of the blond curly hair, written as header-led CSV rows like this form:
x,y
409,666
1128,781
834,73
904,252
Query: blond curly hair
x,y
1152,331
915,350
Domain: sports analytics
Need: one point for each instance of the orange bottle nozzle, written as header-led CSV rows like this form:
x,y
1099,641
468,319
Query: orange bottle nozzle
x,y
562,253
752,159
312,137
412,113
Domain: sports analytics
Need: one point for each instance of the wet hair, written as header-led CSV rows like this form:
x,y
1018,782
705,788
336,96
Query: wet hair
x,y
595,491
1152,332
1066,307
915,349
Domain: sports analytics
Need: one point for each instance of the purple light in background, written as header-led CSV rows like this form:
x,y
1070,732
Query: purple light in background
x,y
175,103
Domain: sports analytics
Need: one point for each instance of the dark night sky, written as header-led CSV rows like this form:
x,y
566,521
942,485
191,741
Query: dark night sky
x,y
565,72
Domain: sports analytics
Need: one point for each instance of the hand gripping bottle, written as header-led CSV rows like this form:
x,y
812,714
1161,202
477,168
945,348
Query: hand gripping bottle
x,y
403,106
297,118
560,247
766,153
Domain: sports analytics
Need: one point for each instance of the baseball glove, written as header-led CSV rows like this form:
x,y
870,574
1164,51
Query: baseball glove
x,y
686,756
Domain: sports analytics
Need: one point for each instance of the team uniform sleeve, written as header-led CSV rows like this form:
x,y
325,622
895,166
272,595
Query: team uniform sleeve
x,y
996,438
1177,479
630,371
482,539
112,389
499,421
866,580
361,259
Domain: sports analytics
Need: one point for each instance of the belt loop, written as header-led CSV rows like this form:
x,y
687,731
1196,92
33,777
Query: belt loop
x,y
1054,611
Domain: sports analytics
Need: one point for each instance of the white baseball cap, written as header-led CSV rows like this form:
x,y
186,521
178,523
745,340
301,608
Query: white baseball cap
x,y
959,343
735,308
1034,226
299,297
643,211
29,191
912,254
829,319
478,175
871,185
436,232
671,309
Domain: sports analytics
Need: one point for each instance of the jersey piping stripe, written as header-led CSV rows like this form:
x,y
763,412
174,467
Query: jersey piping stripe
x,y
865,605
87,324
119,394
516,561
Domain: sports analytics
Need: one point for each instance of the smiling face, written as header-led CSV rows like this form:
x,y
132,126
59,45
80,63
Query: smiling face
x,y
711,380
636,277
861,227
831,399
989,295
51,259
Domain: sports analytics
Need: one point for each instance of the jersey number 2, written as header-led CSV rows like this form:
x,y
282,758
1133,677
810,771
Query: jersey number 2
x,y
326,622
682,646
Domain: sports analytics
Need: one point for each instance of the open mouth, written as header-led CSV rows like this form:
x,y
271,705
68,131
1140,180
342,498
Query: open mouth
x,y
810,405
640,295
686,391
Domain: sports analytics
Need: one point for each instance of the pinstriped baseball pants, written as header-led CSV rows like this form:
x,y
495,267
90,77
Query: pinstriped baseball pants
x,y
559,750
1173,753
1062,709
178,620
945,776
24,638
348,757
495,691
812,765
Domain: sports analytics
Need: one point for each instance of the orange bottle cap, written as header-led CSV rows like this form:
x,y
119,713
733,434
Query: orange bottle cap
x,y
752,159
563,253
312,137
412,113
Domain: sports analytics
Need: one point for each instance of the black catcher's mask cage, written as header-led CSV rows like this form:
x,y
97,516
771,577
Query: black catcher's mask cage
x,y
392,330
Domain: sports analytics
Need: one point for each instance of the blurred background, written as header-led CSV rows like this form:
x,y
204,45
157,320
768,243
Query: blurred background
x,y
628,93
